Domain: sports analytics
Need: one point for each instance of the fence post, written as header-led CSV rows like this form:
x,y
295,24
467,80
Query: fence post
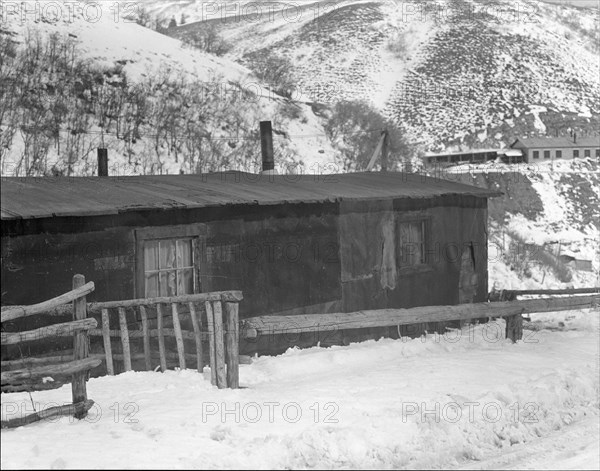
x,y
197,336
125,339
145,329
161,338
210,322
80,348
232,352
178,336
514,327
110,369
219,345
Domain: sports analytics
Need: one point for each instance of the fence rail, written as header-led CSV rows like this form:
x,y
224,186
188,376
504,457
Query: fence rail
x,y
29,377
512,294
512,310
15,312
213,317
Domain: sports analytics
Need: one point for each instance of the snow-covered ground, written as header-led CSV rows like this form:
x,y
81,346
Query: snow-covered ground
x,y
469,399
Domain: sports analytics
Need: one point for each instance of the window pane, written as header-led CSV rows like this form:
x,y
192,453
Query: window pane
x,y
167,283
415,232
163,284
150,255
184,253
411,243
403,235
185,282
152,285
168,267
167,254
414,254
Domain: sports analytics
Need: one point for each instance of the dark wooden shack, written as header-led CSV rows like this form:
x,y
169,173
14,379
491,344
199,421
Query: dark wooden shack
x,y
291,243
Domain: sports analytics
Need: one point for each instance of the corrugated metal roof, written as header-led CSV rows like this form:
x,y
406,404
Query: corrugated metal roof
x,y
42,197
558,142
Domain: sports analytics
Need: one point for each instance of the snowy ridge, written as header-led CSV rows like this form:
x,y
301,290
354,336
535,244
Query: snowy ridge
x,y
454,73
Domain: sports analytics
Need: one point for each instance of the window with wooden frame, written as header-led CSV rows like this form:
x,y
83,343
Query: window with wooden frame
x,y
411,242
168,260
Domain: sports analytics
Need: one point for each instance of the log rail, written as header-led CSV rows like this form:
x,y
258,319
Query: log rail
x,y
31,377
511,310
214,326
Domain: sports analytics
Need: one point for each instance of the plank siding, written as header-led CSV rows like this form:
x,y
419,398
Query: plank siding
x,y
300,258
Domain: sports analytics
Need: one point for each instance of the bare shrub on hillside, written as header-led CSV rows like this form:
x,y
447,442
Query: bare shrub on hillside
x,y
355,129
522,256
143,17
207,39
65,107
8,54
276,71
290,111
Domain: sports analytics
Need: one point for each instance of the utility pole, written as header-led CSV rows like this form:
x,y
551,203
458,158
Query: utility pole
x,y
384,150
102,162
266,146
380,151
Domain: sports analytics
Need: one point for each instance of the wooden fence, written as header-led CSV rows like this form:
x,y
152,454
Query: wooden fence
x,y
512,294
29,377
511,310
214,318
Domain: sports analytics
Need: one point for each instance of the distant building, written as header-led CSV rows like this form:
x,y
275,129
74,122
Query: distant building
x,y
531,149
538,149
576,263
507,156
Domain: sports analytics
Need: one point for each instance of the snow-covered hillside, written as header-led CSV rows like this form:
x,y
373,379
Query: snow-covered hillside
x,y
547,209
124,55
450,73
453,73
468,399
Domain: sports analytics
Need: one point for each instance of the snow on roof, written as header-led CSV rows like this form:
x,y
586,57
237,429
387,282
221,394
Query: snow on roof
x,y
557,142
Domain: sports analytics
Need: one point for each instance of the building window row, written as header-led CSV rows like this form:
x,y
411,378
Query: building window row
x,y
558,154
